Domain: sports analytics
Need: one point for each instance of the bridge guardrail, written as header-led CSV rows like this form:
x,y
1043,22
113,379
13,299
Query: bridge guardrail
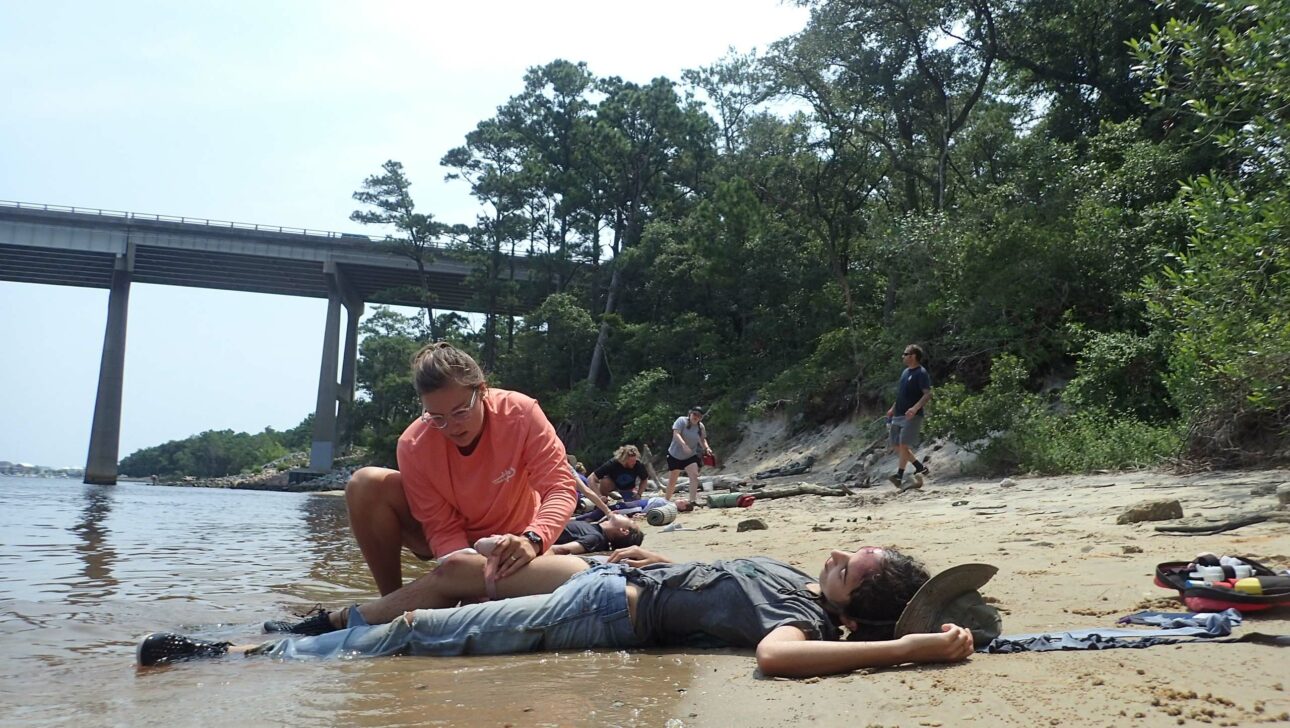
x,y
187,220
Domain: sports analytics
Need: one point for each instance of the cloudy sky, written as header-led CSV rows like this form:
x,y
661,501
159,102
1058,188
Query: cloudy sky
x,y
263,112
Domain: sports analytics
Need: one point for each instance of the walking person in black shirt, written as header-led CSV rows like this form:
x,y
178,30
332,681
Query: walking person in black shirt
x,y
905,417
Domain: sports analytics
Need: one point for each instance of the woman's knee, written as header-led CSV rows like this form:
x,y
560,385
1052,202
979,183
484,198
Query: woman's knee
x,y
372,485
459,570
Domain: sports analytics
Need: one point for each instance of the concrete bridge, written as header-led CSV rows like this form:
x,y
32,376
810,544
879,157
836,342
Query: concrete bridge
x,y
107,249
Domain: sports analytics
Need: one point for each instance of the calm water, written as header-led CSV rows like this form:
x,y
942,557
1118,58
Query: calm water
x,y
86,570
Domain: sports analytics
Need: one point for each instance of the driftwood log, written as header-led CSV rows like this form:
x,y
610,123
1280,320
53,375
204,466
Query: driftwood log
x,y
1210,529
800,489
649,468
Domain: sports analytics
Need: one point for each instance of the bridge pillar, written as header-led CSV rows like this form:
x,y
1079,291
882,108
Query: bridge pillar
x,y
105,432
348,374
323,450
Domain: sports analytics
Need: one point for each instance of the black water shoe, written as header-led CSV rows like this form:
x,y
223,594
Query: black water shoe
x,y
163,648
315,622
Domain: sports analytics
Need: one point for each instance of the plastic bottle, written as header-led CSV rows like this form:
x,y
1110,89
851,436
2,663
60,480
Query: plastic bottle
x,y
1261,585
1207,574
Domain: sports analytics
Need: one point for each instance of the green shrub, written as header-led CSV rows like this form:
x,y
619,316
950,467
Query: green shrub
x,y
1122,372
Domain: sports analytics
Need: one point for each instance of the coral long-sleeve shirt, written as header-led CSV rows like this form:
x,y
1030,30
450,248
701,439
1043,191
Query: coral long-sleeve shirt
x,y
516,479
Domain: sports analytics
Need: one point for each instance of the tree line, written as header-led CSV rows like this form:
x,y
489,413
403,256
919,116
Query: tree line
x,y
215,453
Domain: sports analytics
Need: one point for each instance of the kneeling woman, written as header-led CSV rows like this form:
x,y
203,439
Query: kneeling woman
x,y
641,599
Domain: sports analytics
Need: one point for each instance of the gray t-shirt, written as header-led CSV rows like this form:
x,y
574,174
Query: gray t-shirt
x,y
690,434
731,603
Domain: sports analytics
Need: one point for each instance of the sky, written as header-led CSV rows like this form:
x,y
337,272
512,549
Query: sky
x,y
271,113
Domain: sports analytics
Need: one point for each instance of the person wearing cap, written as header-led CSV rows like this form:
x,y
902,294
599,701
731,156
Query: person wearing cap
x,y
689,445
885,602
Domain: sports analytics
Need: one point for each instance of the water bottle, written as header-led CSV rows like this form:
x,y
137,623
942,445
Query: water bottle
x,y
1207,574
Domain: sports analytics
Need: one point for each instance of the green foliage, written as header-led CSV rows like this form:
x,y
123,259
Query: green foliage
x,y
1121,372
999,407
646,416
551,347
1221,70
208,455
1227,300
297,438
1047,443
1012,429
387,400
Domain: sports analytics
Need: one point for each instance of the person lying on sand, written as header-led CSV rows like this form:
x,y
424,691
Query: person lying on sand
x,y
893,614
614,532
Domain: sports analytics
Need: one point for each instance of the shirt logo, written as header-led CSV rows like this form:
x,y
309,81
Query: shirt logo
x,y
506,475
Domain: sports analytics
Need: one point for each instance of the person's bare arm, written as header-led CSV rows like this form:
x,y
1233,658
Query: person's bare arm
x,y
573,548
786,652
637,556
918,406
594,497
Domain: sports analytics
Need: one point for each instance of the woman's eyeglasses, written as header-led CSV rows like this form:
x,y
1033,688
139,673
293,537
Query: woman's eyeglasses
x,y
458,415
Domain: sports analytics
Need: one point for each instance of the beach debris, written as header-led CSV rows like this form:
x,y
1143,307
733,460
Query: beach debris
x,y
1283,494
801,489
959,503
1209,529
1132,549
752,524
821,527
1152,510
1264,489
797,467
649,468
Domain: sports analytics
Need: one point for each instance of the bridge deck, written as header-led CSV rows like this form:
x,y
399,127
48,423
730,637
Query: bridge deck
x,y
73,247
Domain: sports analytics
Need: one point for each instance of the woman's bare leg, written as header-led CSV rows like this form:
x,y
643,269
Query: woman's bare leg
x,y
383,524
461,579
692,470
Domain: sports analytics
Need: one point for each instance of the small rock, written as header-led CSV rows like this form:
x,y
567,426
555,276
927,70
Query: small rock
x,y
959,503
1132,549
1264,489
1158,510
752,524
1283,494
1007,483
818,527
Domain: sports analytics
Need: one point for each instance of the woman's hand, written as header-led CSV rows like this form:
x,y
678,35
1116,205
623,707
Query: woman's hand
x,y
637,557
510,554
953,644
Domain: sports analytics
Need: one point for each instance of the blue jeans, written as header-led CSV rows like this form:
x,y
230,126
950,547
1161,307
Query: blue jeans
x,y
589,610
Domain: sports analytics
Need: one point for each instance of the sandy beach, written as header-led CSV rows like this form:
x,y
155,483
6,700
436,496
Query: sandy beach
x,y
1063,563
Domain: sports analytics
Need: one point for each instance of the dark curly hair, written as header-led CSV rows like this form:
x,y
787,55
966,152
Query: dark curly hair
x,y
877,602
634,537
